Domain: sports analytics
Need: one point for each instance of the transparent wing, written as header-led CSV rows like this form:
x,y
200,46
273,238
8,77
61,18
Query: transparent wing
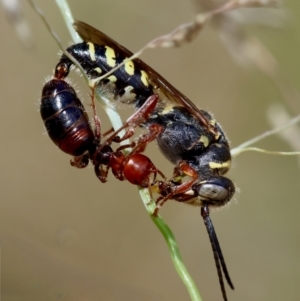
x,y
91,34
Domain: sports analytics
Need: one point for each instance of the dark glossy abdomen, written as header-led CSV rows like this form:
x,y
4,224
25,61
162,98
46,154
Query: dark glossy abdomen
x,y
65,119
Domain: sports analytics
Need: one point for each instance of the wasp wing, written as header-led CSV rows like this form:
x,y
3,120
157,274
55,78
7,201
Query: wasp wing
x,y
91,34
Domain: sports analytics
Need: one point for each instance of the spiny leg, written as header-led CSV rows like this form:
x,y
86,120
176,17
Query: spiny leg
x,y
136,119
181,169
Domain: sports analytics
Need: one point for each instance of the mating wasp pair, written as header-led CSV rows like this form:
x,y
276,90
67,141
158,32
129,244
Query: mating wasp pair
x,y
188,137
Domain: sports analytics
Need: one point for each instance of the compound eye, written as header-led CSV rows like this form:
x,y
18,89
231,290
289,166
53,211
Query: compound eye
x,y
216,191
212,192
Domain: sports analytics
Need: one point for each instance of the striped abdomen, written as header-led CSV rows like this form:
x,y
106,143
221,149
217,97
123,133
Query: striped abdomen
x,y
128,84
65,119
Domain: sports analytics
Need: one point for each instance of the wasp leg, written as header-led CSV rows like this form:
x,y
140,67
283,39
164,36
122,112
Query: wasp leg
x,y
154,131
135,120
181,169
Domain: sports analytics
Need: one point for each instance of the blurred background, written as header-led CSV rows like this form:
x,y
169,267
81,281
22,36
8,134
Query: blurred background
x,y
66,236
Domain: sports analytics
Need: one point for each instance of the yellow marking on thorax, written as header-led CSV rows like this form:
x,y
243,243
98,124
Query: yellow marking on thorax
x,y
110,56
212,122
144,78
217,136
129,67
92,51
168,108
204,140
216,165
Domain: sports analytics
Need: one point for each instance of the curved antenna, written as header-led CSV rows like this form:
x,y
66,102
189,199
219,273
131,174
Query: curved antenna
x,y
218,256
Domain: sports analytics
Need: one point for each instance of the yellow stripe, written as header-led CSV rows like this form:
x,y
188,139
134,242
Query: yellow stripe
x,y
129,67
92,51
204,140
98,70
110,56
212,122
215,165
112,78
168,108
144,78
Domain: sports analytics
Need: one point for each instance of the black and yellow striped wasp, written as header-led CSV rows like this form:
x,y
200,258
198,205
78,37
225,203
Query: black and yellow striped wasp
x,y
187,136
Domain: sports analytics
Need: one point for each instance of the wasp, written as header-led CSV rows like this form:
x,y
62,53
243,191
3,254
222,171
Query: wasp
x,y
189,137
